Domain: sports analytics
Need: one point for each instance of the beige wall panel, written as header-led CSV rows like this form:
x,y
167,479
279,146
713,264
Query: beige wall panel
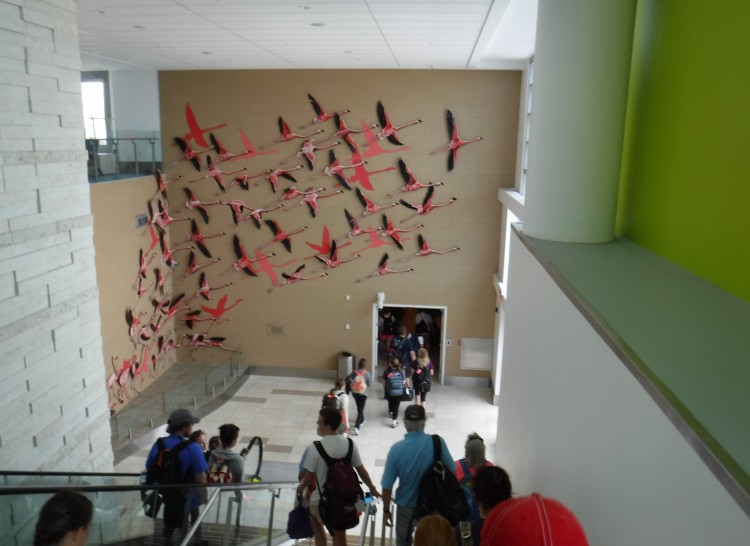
x,y
303,325
115,206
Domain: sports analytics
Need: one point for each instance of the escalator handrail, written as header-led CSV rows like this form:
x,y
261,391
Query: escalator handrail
x,y
63,473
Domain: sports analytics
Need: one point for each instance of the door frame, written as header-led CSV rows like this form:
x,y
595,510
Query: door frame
x,y
443,333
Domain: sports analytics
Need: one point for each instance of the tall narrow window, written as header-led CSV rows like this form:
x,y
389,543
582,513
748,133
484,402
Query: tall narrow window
x,y
95,97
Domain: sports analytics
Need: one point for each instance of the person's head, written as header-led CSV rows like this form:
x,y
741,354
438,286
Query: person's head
x,y
214,442
491,486
65,519
362,364
414,418
199,437
474,450
181,420
340,382
532,521
394,363
434,531
422,356
329,421
402,331
228,434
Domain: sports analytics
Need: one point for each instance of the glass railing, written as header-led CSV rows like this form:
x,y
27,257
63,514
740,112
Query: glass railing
x,y
247,513
129,154
150,410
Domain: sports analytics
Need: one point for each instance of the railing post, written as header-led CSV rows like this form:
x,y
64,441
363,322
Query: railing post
x,y
274,496
153,155
135,155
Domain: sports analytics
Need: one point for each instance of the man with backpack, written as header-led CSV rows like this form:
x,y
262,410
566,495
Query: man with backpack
x,y
331,463
174,460
409,461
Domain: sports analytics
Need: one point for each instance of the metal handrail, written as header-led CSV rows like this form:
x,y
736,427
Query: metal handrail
x,y
62,473
31,489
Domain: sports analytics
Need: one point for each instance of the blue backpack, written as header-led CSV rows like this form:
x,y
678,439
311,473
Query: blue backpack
x,y
394,383
468,492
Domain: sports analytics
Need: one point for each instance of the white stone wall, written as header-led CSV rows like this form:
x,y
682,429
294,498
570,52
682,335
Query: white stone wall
x,y
52,397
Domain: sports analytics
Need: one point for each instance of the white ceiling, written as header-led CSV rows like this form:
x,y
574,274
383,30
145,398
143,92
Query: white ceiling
x,y
256,34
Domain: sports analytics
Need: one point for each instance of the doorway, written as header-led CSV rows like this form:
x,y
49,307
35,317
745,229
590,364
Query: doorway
x,y
427,322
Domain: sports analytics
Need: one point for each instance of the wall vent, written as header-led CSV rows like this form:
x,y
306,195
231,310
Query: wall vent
x,y
141,220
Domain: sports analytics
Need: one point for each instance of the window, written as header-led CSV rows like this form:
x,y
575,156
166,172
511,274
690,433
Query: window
x,y
96,109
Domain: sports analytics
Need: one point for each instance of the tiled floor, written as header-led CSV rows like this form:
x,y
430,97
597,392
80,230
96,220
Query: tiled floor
x,y
283,412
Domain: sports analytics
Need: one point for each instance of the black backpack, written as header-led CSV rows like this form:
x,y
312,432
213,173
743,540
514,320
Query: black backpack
x,y
166,467
340,493
440,492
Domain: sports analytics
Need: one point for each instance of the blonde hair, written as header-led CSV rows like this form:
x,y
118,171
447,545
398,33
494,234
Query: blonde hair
x,y
434,531
423,357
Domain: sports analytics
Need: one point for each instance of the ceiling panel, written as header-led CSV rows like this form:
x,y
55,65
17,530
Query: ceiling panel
x,y
174,34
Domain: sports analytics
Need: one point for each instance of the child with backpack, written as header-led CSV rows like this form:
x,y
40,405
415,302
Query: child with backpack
x,y
474,458
331,462
394,382
338,400
358,383
422,370
224,464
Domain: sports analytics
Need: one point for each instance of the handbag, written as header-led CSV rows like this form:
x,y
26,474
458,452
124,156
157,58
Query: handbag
x,y
299,525
407,395
152,502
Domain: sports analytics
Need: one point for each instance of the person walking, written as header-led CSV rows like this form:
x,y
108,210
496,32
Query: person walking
x,y
335,446
393,382
422,370
65,520
358,383
192,466
407,462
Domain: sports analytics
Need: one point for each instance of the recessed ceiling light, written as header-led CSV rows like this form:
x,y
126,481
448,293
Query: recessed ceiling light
x,y
303,7
206,53
140,27
348,52
317,24
99,11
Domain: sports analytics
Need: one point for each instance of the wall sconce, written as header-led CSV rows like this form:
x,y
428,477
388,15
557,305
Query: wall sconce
x,y
381,299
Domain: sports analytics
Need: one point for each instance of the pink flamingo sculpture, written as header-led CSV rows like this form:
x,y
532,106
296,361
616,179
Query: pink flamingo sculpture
x,y
189,154
389,230
355,230
281,236
321,116
244,262
333,260
193,203
286,134
388,130
198,238
426,250
410,182
426,207
383,269
256,215
456,142
162,183
370,207
194,266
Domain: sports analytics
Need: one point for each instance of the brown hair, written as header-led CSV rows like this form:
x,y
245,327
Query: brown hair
x,y
434,531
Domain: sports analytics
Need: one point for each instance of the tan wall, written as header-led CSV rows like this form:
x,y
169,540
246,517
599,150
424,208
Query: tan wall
x,y
117,242
303,325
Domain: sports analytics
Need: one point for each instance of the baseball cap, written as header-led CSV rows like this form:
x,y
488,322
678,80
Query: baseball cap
x,y
415,413
532,521
181,417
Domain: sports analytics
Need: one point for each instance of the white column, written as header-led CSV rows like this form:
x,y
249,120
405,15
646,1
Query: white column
x,y
581,71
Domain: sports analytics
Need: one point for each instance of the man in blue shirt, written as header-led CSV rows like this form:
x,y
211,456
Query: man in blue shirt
x,y
193,468
407,461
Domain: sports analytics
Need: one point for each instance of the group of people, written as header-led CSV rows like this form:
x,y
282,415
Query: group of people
x,y
497,518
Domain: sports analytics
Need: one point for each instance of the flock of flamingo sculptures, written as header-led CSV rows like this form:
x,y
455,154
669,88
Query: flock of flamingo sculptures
x,y
152,320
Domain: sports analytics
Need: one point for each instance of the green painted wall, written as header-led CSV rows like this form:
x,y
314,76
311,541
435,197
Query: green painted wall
x,y
685,191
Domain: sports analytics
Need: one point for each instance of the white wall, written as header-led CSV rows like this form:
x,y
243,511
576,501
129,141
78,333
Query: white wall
x,y
135,108
575,425
52,397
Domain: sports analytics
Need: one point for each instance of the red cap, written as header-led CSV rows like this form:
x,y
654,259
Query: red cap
x,y
532,521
